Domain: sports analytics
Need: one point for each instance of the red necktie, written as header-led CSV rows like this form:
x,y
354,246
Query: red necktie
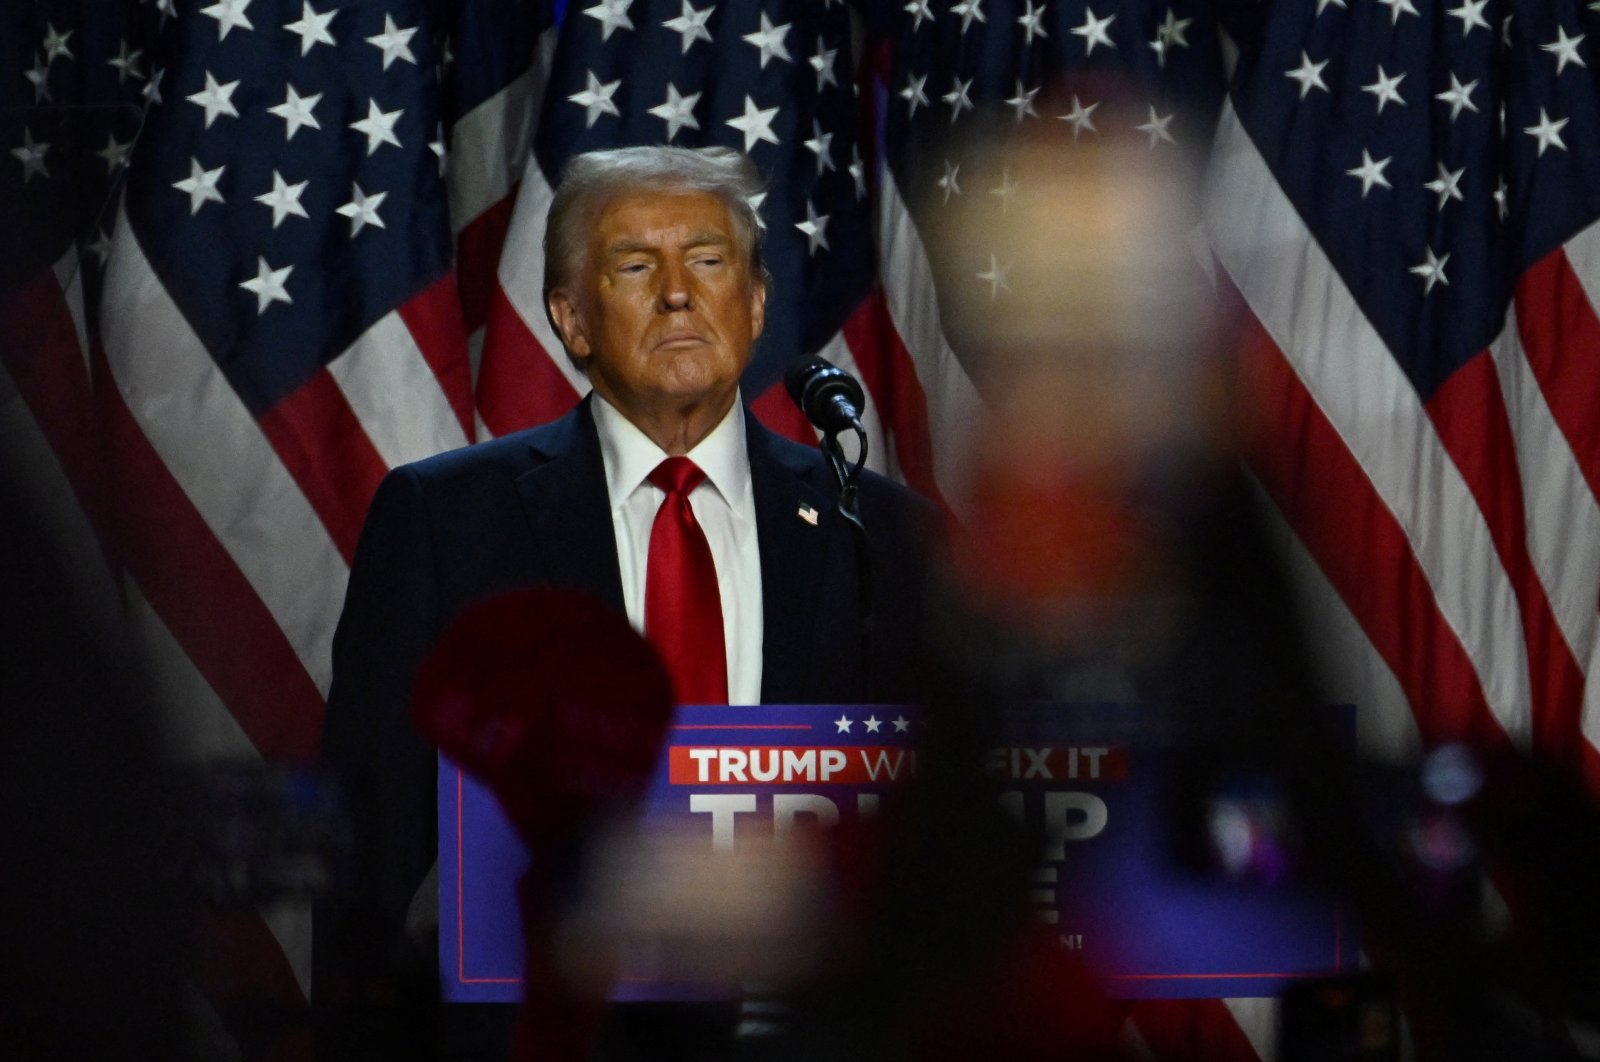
x,y
682,607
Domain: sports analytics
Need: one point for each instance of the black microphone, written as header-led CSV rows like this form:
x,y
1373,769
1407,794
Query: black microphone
x,y
829,397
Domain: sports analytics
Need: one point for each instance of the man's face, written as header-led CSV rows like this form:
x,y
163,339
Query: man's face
x,y
664,309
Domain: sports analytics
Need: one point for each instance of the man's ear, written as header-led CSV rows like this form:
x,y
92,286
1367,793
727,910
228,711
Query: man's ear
x,y
564,315
758,309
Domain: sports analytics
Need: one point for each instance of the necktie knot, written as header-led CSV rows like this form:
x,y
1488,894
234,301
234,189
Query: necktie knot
x,y
677,475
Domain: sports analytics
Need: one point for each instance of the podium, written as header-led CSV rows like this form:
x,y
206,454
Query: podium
x,y
1091,776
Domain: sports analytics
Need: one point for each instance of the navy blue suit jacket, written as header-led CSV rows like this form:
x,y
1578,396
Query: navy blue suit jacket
x,y
531,509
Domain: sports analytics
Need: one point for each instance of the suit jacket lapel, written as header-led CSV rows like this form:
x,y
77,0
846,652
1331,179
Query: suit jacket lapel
x,y
569,511
794,560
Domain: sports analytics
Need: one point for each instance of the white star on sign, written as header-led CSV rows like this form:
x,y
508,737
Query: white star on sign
x,y
1022,102
1447,185
1565,49
914,94
995,277
115,153
378,126
268,285
1094,31
1471,15
1547,132
959,98
295,110
216,99
394,42
1459,96
1156,127
769,40
1309,74
312,27
1432,270
950,182
677,110
969,10
612,15
31,155
815,226
690,25
362,210
755,123
918,10
595,99
873,724
1385,89
126,63
821,145
901,724
284,199
1398,8
1370,172
843,723
229,14
822,63
1079,117
1032,23
55,44
200,185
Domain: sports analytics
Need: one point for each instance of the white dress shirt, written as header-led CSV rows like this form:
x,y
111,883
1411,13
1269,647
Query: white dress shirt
x,y
725,508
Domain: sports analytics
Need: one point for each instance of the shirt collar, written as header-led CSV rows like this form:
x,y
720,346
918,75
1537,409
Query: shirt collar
x,y
630,455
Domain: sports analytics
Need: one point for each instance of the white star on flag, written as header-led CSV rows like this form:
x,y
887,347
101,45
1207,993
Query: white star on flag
x,y
677,111
55,44
1080,117
1006,190
1565,49
1094,31
362,210
268,285
295,110
995,277
769,40
201,185
612,16
311,27
215,99
393,42
31,155
1432,270
1458,96
950,182
229,15
822,63
284,199
1370,172
960,97
1398,8
595,99
1308,74
1032,22
1386,89
969,11
1547,132
377,126
115,153
1022,102
1447,185
920,12
820,145
815,227
126,63
1156,127
1471,15
755,123
690,24
914,93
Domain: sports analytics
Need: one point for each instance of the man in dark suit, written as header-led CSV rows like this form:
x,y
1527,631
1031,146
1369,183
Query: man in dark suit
x,y
654,281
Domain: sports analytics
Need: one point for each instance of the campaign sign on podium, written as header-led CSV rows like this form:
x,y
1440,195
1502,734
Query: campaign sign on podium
x,y
1106,886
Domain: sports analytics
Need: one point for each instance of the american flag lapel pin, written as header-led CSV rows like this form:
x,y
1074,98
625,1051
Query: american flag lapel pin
x,y
808,514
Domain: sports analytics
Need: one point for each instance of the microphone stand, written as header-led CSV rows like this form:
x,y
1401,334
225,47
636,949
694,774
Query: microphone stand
x,y
849,508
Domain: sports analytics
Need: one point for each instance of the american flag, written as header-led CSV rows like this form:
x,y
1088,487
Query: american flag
x,y
1405,199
